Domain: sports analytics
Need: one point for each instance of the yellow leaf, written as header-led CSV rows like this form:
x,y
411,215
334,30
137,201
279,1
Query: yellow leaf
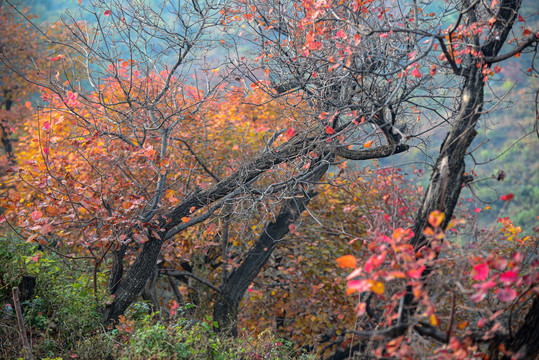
x,y
377,287
433,320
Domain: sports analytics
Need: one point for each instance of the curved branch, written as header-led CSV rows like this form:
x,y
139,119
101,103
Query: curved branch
x,y
376,153
528,42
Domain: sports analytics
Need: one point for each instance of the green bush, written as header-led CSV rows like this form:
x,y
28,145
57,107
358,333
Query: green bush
x,y
63,308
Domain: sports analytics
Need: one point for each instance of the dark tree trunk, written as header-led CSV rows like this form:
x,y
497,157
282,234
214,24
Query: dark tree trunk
x,y
525,343
225,311
127,291
447,179
149,292
6,132
226,306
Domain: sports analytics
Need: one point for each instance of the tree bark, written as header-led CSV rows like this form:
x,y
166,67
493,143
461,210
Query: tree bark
x,y
447,178
525,344
132,285
6,133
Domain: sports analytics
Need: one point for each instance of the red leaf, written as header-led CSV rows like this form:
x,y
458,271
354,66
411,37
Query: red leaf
x,y
290,132
35,258
509,277
107,13
416,274
36,215
175,305
354,273
507,197
359,285
374,262
507,294
384,35
480,272
56,58
330,130
416,73
341,34
521,19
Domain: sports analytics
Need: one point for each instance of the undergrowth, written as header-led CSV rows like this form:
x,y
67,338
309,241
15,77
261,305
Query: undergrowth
x,y
62,317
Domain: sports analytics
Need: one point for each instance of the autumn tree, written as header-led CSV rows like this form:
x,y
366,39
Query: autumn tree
x,y
390,73
119,160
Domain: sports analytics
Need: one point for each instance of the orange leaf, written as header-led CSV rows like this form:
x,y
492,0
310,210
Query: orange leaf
x,y
436,218
462,325
185,219
368,144
347,261
35,258
127,205
31,238
350,291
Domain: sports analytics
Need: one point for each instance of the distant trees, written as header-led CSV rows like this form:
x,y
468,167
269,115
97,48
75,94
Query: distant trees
x,y
146,141
19,46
